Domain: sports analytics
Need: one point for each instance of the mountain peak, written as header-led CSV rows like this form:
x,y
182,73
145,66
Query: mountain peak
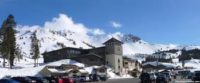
x,y
130,38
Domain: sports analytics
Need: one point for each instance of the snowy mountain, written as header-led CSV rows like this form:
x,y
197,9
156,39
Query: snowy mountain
x,y
63,32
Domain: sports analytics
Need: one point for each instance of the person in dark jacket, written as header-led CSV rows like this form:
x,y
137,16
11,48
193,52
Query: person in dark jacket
x,y
95,77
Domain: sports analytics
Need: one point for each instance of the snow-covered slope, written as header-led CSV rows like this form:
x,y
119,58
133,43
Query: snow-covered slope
x,y
143,47
49,40
62,32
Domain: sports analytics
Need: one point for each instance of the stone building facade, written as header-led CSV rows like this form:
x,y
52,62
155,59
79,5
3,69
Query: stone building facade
x,y
110,54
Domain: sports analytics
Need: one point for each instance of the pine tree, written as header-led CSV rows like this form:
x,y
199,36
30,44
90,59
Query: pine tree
x,y
2,42
35,48
8,40
12,47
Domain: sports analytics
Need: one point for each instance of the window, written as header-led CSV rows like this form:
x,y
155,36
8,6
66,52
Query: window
x,y
118,61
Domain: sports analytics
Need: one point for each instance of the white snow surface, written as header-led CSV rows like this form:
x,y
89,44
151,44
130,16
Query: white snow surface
x,y
27,69
143,47
112,75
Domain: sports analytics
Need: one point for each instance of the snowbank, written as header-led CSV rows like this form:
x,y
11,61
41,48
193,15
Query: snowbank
x,y
20,72
112,75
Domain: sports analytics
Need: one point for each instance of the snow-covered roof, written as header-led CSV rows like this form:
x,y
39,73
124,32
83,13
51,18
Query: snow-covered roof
x,y
66,61
155,63
53,70
83,71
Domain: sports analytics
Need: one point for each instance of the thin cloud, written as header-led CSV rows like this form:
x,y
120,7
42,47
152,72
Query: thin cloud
x,y
115,24
98,31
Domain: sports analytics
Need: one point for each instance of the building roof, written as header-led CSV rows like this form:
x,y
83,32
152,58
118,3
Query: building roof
x,y
66,62
112,40
90,54
66,48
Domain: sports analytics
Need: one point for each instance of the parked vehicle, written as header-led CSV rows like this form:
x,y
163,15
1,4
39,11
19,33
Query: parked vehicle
x,y
145,78
8,81
184,73
168,75
77,79
39,79
52,79
162,78
67,80
152,77
82,78
190,75
196,76
103,77
23,79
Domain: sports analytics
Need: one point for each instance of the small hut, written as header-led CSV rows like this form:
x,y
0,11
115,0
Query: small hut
x,y
63,70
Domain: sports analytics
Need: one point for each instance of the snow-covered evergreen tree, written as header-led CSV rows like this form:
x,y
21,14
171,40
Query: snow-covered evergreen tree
x,y
35,52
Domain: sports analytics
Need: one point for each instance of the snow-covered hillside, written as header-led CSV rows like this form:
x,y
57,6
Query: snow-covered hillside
x,y
62,31
143,47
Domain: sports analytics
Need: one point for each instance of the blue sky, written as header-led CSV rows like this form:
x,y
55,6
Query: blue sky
x,y
155,21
